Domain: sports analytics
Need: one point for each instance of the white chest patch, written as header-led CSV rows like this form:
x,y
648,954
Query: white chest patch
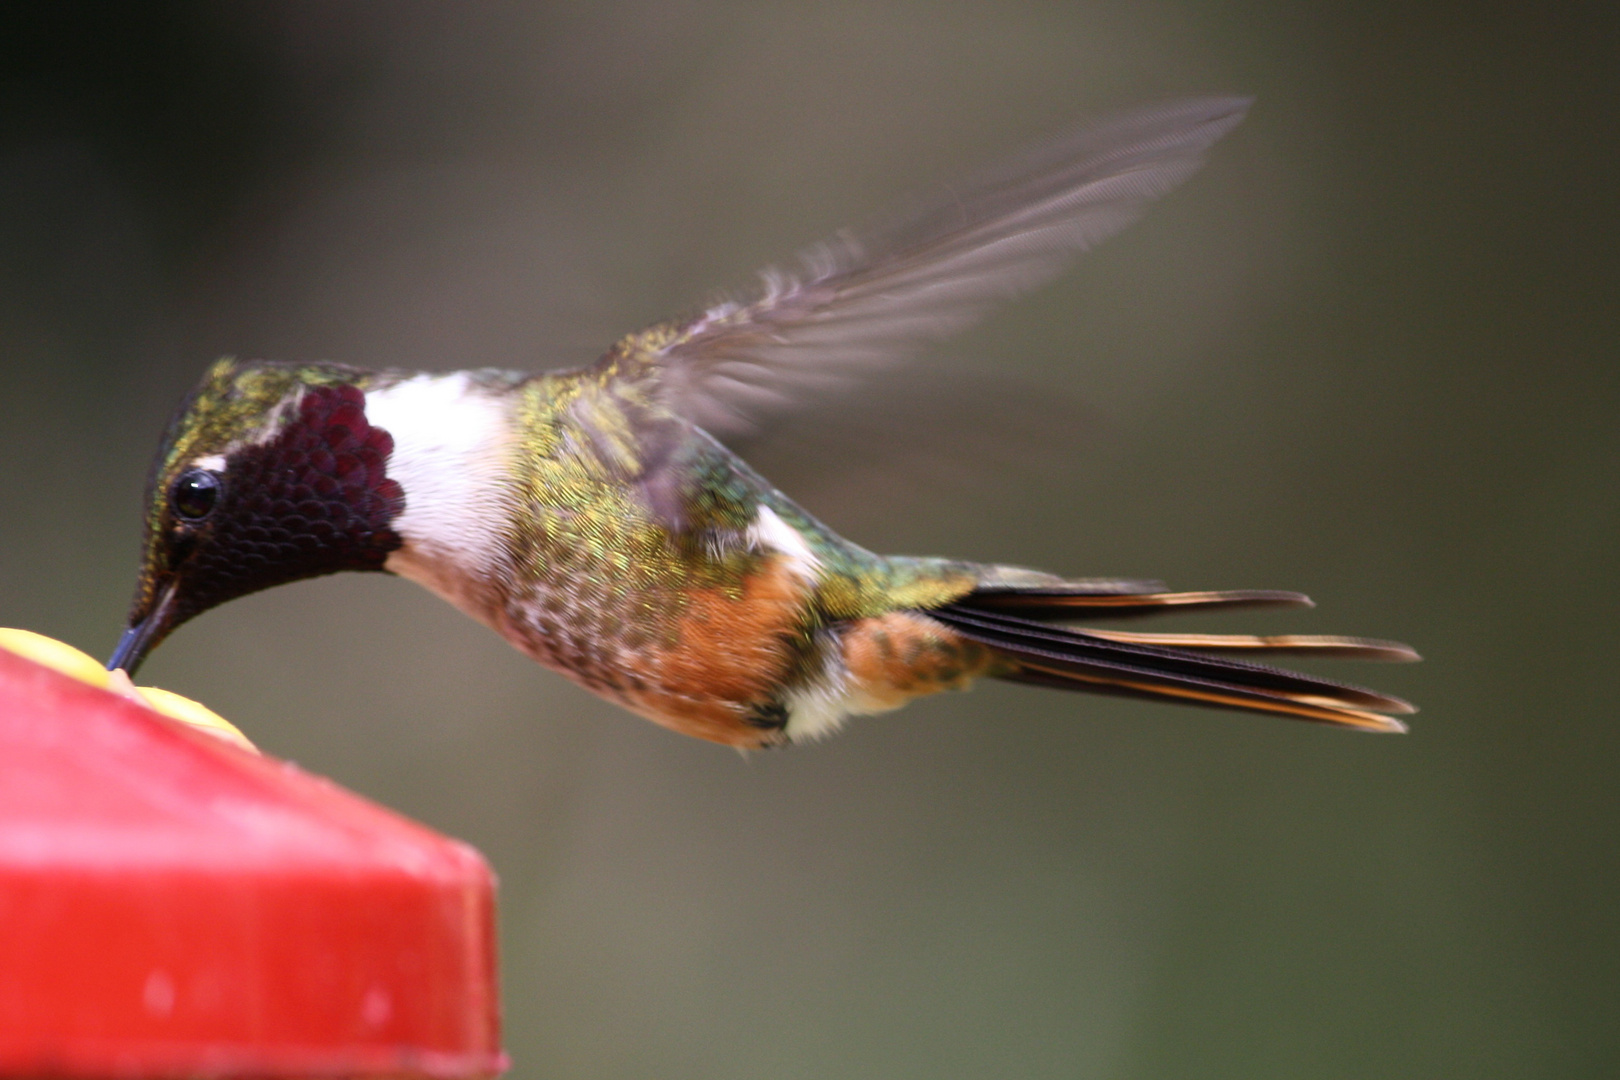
x,y
452,447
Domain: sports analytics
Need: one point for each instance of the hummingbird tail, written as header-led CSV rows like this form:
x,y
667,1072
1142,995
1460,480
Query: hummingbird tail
x,y
1014,624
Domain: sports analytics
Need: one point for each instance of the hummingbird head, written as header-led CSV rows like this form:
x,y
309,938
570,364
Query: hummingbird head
x,y
269,473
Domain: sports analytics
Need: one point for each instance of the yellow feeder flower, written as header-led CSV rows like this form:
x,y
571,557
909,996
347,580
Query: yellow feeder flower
x,y
60,656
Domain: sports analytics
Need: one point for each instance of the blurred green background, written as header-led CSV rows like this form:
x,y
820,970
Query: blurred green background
x,y
1368,353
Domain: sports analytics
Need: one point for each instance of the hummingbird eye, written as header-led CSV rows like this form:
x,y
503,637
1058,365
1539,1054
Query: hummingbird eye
x,y
194,494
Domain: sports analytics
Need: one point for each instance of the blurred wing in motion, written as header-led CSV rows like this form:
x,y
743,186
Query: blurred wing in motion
x,y
862,300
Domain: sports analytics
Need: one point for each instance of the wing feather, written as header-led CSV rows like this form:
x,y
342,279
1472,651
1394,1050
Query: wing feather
x,y
864,300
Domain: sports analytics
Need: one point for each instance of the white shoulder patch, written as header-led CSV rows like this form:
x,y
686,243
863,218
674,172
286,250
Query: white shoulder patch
x,y
769,532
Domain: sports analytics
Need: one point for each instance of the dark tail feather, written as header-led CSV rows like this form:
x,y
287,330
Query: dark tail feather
x,y
1173,665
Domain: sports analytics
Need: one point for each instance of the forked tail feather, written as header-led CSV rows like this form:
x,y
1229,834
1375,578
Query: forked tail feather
x,y
1015,623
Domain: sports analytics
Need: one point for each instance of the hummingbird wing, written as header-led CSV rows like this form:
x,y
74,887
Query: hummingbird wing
x,y
865,299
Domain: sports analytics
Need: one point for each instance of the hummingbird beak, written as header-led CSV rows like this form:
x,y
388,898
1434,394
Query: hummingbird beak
x,y
145,633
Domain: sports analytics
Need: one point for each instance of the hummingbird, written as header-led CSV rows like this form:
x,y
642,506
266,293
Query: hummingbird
x,y
593,518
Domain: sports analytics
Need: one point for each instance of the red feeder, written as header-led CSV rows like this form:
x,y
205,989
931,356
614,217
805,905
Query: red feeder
x,y
173,906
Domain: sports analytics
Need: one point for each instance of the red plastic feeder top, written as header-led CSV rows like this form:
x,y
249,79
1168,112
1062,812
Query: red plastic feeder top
x,y
173,906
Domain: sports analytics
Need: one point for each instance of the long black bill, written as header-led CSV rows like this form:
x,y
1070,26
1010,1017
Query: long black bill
x,y
144,636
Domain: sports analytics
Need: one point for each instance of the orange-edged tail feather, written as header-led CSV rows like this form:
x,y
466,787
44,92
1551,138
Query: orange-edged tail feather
x,y
1345,648
1077,600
